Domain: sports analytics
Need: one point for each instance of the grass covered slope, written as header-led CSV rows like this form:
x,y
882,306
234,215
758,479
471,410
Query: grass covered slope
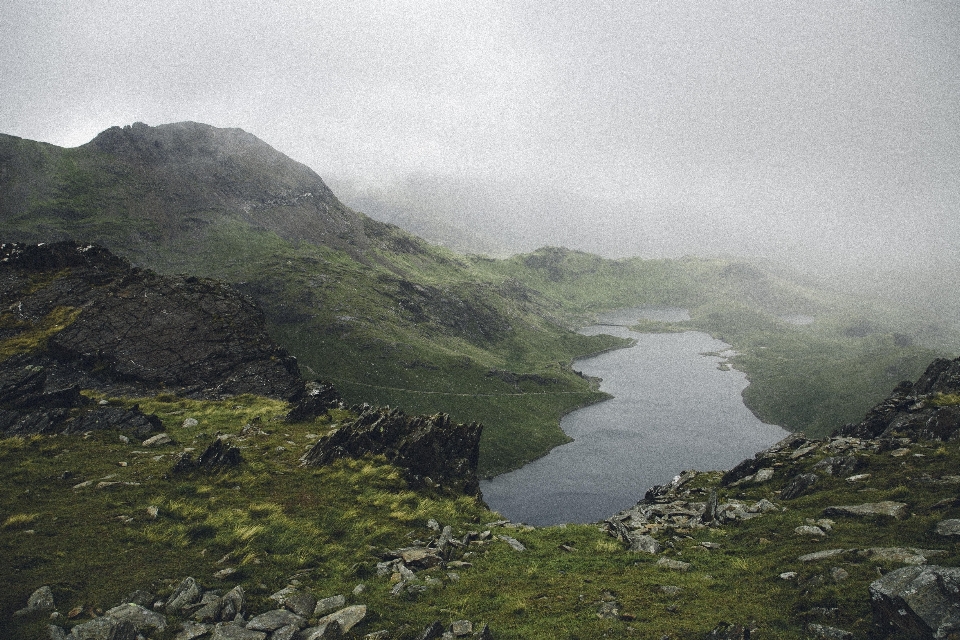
x,y
96,518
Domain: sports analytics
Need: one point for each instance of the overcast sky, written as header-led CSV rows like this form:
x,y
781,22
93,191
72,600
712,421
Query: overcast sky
x,y
826,130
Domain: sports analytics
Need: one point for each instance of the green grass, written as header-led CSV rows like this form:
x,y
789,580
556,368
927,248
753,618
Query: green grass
x,y
272,520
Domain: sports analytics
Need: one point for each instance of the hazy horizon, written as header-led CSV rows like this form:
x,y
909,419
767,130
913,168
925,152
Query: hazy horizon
x,y
823,135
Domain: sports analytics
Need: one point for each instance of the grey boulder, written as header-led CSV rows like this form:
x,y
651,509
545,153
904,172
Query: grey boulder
x,y
921,601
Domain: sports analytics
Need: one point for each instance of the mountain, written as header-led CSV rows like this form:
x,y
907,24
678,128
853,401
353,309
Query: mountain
x,y
246,516
393,320
170,183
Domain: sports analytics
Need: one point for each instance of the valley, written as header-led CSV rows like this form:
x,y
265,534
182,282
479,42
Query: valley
x,y
159,435
391,319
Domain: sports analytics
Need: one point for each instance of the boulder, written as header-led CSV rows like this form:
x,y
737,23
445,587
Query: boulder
x,y
316,399
144,620
515,544
235,631
39,601
326,605
191,630
917,601
274,619
888,508
96,629
432,450
675,565
644,544
808,530
948,528
799,486
347,618
217,456
185,594
301,603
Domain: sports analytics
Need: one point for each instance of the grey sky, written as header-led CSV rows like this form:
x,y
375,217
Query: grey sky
x,y
822,130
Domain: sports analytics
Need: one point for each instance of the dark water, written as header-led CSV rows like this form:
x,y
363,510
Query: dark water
x,y
673,409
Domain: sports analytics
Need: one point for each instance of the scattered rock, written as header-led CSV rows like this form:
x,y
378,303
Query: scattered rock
x,y
217,456
59,633
644,544
823,555
185,594
763,475
461,628
433,630
675,565
807,530
142,619
905,555
346,618
839,574
316,399
39,601
860,477
157,440
236,631
301,603
273,620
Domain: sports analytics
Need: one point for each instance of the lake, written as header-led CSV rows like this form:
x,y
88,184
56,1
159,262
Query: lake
x,y
674,408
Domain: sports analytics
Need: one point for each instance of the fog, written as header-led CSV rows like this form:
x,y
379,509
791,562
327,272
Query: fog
x,y
823,134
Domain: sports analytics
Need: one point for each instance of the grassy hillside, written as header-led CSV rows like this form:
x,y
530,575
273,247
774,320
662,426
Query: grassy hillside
x,y
74,503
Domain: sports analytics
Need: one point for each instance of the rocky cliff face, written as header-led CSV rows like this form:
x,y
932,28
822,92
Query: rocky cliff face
x,y
77,317
89,318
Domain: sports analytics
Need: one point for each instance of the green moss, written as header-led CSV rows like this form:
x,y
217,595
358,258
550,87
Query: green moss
x,y
33,336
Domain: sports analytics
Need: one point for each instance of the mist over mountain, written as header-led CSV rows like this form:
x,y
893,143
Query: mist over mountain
x,y
899,260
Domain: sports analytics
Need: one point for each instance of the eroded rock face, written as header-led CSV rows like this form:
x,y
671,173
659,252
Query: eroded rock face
x,y
113,325
78,317
433,450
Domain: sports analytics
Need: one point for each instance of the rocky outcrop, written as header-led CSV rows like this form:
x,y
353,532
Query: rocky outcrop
x,y
78,317
916,410
434,451
315,400
108,324
917,601
218,456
